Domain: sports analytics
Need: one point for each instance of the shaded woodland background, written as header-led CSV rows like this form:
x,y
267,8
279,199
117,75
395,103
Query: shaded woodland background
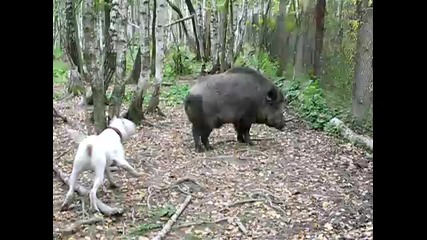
x,y
319,52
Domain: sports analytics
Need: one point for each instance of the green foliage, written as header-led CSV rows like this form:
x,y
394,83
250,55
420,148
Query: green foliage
x,y
60,72
154,215
180,61
145,228
260,61
175,94
310,103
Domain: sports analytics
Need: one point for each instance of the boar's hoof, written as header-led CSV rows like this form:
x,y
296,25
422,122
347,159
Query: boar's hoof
x,y
199,149
209,147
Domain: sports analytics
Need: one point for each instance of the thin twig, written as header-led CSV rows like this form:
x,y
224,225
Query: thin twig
x,y
241,226
250,200
173,219
201,223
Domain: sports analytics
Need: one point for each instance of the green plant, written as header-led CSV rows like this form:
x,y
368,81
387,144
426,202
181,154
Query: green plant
x,y
310,103
176,94
180,61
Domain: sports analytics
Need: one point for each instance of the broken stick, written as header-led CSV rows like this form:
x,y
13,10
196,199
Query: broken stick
x,y
165,230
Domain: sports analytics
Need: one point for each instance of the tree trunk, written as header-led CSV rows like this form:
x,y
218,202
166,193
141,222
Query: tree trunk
x,y
214,33
91,54
193,21
320,22
230,56
224,36
72,49
160,43
118,28
240,30
363,78
135,112
153,39
282,36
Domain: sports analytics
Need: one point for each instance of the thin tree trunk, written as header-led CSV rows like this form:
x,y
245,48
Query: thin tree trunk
x,y
160,43
193,21
91,54
135,112
230,56
224,36
119,19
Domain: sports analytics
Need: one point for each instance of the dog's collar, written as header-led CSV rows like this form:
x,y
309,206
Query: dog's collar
x,y
117,131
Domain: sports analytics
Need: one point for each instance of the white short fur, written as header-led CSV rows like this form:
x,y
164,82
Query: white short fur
x,y
97,153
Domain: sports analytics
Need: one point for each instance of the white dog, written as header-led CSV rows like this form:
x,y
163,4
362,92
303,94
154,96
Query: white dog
x,y
98,153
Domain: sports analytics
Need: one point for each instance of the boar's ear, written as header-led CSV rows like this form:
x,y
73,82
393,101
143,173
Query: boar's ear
x,y
271,95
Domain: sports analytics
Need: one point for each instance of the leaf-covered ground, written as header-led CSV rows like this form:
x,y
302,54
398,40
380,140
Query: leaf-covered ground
x,y
296,184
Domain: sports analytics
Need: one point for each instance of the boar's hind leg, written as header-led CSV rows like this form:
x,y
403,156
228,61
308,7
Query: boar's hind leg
x,y
196,137
205,138
239,132
242,130
246,135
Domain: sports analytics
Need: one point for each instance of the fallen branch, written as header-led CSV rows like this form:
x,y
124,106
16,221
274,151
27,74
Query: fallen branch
x,y
191,224
351,136
179,20
173,219
82,191
76,225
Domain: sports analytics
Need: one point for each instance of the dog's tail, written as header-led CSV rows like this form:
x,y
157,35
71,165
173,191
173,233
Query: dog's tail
x,y
89,150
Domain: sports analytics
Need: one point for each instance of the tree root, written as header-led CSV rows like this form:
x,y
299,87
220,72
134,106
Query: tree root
x,y
77,224
165,230
82,191
57,115
176,184
191,224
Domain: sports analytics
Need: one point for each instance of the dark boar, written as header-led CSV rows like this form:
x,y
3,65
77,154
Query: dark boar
x,y
241,96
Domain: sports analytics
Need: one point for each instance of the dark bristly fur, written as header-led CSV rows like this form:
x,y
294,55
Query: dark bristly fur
x,y
241,96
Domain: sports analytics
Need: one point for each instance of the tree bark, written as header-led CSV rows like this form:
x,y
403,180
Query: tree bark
x,y
118,28
160,43
135,112
320,22
91,54
224,21
363,78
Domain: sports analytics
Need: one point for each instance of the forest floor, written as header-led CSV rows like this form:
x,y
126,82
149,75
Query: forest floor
x,y
296,184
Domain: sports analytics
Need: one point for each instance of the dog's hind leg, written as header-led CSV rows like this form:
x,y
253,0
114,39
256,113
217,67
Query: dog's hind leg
x,y
72,183
122,163
97,182
110,178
